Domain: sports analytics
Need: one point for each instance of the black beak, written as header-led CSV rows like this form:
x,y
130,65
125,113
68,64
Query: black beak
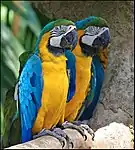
x,y
102,41
69,41
88,50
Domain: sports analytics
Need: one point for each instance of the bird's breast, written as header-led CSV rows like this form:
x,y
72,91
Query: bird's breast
x,y
83,76
55,83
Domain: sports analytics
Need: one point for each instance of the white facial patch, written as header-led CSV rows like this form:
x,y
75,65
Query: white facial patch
x,y
55,41
91,33
62,29
58,32
70,28
88,40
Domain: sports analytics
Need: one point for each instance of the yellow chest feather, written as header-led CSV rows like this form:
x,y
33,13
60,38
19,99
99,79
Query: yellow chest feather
x,y
54,92
83,76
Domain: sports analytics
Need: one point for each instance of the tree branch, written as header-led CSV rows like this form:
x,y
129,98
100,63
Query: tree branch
x,y
49,142
113,136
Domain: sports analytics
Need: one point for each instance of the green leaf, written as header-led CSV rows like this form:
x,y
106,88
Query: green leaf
x,y
10,130
24,9
11,49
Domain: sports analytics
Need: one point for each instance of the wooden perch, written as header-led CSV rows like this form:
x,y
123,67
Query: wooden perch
x,y
49,142
113,136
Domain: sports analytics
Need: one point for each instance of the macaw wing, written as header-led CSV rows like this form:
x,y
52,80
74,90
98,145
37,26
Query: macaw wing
x,y
90,92
91,104
71,71
30,91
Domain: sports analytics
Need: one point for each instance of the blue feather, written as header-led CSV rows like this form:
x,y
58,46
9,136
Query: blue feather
x,y
81,23
70,64
88,112
30,92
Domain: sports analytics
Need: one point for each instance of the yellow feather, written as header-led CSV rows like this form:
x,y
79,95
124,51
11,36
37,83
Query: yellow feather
x,y
83,75
55,89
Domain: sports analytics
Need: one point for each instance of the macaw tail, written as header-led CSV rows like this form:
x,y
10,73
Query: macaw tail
x,y
88,112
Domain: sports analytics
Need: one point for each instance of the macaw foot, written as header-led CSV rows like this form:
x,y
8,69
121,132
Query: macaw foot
x,y
85,125
79,126
57,133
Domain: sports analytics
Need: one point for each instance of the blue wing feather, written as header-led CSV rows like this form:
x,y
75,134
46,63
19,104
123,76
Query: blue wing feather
x,y
30,92
88,112
71,68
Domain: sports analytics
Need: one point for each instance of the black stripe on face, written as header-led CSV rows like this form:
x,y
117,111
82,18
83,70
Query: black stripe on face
x,y
56,51
88,50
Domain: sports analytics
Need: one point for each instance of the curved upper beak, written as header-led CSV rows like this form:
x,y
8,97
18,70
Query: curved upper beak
x,y
69,40
102,40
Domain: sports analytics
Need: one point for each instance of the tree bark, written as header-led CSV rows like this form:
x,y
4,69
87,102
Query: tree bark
x,y
49,142
113,136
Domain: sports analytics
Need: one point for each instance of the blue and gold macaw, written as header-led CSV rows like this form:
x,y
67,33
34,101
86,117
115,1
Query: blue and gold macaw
x,y
44,85
91,60
99,33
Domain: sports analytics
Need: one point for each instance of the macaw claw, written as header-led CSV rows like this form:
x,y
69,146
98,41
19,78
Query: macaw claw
x,y
57,133
89,130
63,134
79,126
85,125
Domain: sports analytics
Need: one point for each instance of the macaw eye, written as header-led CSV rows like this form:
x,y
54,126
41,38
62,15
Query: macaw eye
x,y
69,27
56,28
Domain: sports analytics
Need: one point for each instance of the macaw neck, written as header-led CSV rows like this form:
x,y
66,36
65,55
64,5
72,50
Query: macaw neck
x,y
44,54
77,51
83,71
83,76
84,60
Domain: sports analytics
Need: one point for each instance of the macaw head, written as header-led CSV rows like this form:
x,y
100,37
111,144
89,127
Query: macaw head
x,y
94,35
58,36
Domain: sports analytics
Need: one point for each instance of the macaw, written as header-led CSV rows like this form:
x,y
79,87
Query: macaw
x,y
44,86
91,60
98,68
